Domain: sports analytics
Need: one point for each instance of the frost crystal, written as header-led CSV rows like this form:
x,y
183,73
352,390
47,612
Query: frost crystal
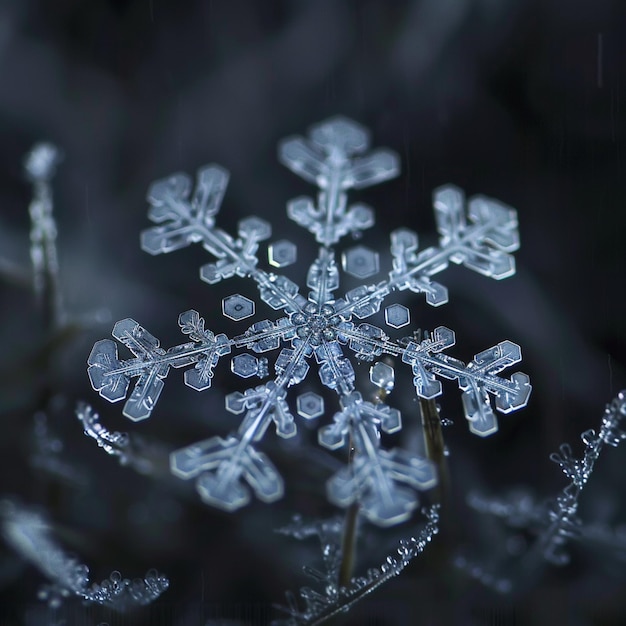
x,y
318,328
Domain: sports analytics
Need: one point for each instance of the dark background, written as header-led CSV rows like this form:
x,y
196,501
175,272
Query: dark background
x,y
522,100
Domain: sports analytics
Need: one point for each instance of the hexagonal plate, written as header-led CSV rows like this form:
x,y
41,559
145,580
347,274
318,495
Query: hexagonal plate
x,y
234,402
342,132
310,405
397,316
360,262
254,227
281,253
237,307
244,365
383,376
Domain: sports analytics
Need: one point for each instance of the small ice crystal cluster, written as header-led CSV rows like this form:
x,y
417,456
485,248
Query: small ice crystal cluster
x,y
319,328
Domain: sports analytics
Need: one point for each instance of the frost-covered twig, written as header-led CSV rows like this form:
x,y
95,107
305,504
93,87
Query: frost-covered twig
x,y
28,533
40,167
115,443
555,521
335,599
564,521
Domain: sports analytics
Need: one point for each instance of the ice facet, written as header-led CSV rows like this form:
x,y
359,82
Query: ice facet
x,y
282,253
397,316
310,405
254,228
237,307
286,362
383,376
360,262
341,134
246,365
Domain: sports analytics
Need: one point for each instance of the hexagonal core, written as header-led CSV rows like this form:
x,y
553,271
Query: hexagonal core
x,y
237,307
310,405
281,253
397,316
360,262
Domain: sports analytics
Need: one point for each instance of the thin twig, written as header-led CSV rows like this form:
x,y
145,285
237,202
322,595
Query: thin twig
x,y
435,448
349,537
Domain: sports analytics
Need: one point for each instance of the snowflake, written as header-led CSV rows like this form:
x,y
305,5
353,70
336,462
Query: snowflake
x,y
319,328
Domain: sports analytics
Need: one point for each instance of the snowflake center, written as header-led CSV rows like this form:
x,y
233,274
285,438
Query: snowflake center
x,y
315,323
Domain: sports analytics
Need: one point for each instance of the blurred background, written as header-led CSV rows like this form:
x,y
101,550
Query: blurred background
x,y
521,100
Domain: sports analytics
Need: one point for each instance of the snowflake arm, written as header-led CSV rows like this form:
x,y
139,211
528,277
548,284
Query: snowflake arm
x,y
187,220
329,160
373,477
220,465
477,379
323,278
264,336
111,376
484,245
183,220
335,371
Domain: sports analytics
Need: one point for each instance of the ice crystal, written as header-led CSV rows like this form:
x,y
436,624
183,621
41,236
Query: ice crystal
x,y
318,327
28,533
